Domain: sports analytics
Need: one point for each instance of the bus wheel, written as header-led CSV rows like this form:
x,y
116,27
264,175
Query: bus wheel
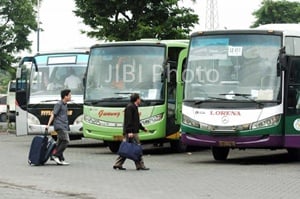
x,y
177,146
3,117
113,146
220,153
294,153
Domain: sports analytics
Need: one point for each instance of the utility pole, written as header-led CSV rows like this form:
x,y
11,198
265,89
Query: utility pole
x,y
212,17
38,27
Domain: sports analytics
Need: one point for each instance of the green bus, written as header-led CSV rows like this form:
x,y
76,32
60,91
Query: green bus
x,y
149,67
242,90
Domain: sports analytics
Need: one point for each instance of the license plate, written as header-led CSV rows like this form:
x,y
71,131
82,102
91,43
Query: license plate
x,y
227,143
53,133
118,137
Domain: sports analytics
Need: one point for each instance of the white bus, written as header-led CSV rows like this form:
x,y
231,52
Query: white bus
x,y
11,101
38,84
242,90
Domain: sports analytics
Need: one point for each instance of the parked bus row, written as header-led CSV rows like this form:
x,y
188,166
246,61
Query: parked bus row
x,y
223,89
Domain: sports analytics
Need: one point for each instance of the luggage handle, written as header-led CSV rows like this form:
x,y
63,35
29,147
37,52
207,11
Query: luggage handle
x,y
46,132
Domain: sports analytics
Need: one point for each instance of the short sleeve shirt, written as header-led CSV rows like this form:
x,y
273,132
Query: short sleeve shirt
x,y
60,112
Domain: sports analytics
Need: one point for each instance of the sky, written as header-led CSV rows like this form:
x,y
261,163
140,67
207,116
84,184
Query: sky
x,y
61,28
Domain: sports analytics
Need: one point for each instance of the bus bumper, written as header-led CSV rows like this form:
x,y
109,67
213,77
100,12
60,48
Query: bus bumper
x,y
264,141
39,129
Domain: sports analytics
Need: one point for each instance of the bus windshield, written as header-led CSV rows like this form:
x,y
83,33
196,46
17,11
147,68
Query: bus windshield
x,y
233,66
56,73
114,72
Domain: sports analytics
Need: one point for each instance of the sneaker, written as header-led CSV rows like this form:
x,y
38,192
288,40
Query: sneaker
x,y
56,159
65,163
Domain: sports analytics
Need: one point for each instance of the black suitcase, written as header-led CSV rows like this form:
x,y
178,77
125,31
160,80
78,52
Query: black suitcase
x,y
40,150
50,148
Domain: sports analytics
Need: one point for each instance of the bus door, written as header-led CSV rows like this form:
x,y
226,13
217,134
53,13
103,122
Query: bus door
x,y
179,81
174,91
292,102
22,94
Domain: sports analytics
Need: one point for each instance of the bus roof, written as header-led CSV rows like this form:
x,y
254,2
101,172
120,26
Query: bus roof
x,y
57,52
75,56
173,43
66,51
286,29
62,58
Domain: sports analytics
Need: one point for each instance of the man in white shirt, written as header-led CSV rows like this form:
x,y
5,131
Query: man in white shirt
x,y
73,82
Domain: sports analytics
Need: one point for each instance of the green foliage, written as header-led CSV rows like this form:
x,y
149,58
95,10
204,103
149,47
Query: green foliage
x,y
5,77
277,12
17,20
135,19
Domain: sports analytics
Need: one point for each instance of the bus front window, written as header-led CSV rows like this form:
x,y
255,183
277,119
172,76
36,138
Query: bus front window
x,y
50,80
224,65
118,71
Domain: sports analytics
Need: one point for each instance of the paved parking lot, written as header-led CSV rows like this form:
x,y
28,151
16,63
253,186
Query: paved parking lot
x,y
194,175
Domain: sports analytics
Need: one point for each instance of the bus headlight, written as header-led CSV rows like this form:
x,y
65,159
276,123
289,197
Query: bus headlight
x,y
78,120
31,119
271,121
152,119
189,121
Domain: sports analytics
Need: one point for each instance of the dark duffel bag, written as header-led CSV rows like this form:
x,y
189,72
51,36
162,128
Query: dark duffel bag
x,y
130,150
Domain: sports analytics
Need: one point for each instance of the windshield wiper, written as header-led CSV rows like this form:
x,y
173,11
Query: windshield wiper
x,y
109,99
210,99
246,96
124,93
112,99
53,100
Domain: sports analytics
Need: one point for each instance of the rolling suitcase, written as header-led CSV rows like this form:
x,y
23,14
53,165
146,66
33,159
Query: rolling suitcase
x,y
40,149
50,148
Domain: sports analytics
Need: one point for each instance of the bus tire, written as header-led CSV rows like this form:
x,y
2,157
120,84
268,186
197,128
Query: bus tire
x,y
220,153
178,146
3,117
294,153
113,146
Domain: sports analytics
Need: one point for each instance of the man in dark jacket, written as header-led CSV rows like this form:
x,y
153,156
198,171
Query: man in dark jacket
x,y
131,127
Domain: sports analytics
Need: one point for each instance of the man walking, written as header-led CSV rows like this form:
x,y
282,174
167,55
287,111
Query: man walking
x,y
61,126
131,129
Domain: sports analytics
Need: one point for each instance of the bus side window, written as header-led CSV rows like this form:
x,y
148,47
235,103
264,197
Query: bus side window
x,y
293,98
173,55
172,80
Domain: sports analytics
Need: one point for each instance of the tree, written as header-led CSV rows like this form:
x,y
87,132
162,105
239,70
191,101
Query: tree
x,y
135,19
277,12
17,20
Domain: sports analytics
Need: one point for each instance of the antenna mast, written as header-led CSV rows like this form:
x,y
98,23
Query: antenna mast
x,y
212,17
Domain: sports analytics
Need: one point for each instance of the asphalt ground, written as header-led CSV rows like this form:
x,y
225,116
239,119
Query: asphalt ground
x,y
255,173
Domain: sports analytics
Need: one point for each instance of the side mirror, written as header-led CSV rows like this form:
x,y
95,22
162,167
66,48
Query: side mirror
x,y
164,73
281,61
31,60
84,80
21,98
